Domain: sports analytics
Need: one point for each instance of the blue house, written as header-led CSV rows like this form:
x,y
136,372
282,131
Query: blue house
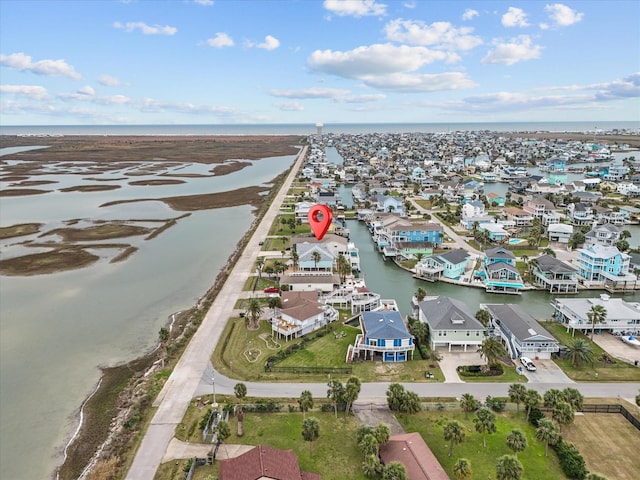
x,y
451,264
414,233
604,265
500,272
307,262
385,336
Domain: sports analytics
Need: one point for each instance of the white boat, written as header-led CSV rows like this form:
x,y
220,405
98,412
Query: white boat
x,y
631,340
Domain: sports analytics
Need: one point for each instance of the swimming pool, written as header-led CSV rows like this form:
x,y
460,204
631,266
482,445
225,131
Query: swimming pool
x,y
516,241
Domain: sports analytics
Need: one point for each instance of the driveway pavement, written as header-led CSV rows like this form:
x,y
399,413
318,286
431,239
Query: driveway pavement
x,y
547,372
617,348
451,360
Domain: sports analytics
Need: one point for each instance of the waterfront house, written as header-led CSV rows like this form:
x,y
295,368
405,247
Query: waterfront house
x,y
560,232
411,451
300,313
520,333
451,323
500,272
520,217
496,200
310,281
604,266
308,261
384,337
609,215
628,188
580,213
606,235
451,264
554,275
622,316
264,462
542,209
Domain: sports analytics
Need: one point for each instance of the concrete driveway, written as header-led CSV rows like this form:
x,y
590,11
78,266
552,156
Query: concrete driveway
x,y
451,360
546,372
617,348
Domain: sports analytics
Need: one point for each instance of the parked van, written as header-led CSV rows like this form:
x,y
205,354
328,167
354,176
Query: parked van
x,y
528,364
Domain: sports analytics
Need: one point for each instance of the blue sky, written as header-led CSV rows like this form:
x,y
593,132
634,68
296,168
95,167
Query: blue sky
x,y
308,61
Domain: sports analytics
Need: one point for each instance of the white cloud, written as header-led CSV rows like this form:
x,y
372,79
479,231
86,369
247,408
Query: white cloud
x,y
290,107
34,92
515,17
206,3
469,13
146,29
563,16
439,34
109,81
409,83
220,40
87,90
375,59
335,94
270,43
517,50
49,68
355,8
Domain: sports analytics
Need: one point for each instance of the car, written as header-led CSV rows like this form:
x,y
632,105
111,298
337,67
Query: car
x,y
272,290
528,364
261,243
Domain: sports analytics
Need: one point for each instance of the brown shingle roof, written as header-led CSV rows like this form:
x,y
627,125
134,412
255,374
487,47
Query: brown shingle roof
x,y
264,462
418,460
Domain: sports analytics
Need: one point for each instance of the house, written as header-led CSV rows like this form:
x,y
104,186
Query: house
x,y
336,244
450,323
621,316
606,235
264,462
580,213
301,211
314,257
608,215
451,264
603,265
310,281
495,231
560,232
496,200
542,209
473,213
554,275
384,336
519,216
500,272
300,313
411,451
521,334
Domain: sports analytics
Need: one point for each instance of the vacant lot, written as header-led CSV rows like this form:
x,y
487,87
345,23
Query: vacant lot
x,y
608,443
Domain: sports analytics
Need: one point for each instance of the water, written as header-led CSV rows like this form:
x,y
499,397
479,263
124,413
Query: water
x,y
57,329
309,129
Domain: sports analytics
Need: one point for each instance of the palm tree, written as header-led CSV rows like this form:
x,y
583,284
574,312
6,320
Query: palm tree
x,y
371,466
485,422
563,413
254,311
382,432
164,336
294,258
343,266
316,257
548,432
516,441
579,352
574,398
597,314
454,434
531,400
468,404
552,397
350,394
369,445
395,393
240,391
492,349
305,402
508,467
462,469
420,294
310,430
335,393
483,316
517,392
394,471
259,265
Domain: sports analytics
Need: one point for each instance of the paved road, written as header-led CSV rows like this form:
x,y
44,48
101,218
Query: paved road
x,y
180,388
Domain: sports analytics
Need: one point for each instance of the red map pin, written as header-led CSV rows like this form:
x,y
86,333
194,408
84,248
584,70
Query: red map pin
x,y
320,218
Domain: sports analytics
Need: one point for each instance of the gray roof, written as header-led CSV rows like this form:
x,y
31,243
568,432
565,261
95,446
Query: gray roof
x,y
522,325
549,263
387,324
444,313
499,252
454,256
617,309
497,266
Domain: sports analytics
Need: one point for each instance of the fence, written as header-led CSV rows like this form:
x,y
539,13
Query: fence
x,y
334,370
605,408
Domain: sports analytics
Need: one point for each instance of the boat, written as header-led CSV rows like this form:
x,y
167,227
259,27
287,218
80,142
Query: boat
x,y
631,340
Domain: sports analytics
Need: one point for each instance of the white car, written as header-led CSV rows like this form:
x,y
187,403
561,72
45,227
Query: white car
x,y
528,364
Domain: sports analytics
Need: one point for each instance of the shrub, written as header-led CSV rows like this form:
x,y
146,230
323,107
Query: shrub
x,y
571,462
496,404
535,415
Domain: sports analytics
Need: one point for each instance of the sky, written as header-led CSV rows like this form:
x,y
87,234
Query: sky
x,y
109,62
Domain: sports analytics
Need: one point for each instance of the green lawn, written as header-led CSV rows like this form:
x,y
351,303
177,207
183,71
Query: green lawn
x,y
334,455
510,375
618,371
430,424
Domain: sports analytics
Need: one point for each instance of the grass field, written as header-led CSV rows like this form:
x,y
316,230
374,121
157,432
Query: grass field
x,y
430,425
608,443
